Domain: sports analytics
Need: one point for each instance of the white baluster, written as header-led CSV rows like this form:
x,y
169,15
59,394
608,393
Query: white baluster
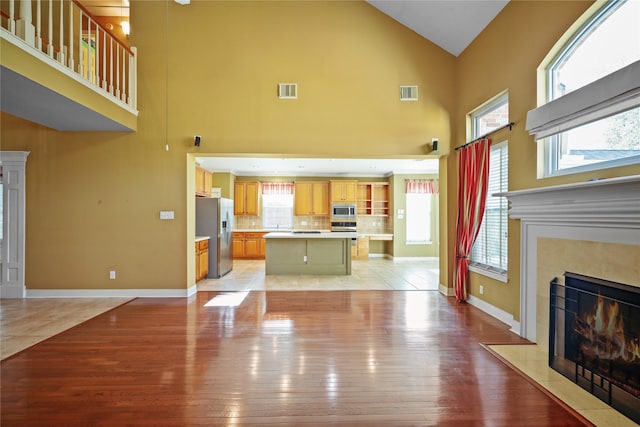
x,y
95,71
12,17
104,60
38,25
50,45
111,58
117,70
24,27
81,54
61,56
124,75
72,64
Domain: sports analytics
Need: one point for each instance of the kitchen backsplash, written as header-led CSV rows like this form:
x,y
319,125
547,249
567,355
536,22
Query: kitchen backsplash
x,y
366,224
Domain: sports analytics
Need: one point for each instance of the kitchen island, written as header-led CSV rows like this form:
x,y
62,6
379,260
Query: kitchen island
x,y
310,252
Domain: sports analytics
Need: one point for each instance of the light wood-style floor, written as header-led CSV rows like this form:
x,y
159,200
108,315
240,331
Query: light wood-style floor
x,y
398,317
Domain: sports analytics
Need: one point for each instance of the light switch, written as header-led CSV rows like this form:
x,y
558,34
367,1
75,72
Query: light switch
x,y
166,214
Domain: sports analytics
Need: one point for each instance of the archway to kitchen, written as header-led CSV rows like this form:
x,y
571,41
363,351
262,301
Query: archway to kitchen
x,y
417,263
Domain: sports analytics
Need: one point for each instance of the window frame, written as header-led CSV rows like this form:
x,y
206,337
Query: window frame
x,y
474,118
550,152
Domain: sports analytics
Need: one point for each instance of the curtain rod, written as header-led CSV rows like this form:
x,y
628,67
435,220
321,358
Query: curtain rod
x,y
508,125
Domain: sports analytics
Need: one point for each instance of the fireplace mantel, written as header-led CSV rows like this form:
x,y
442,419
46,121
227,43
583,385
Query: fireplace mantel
x,y
606,210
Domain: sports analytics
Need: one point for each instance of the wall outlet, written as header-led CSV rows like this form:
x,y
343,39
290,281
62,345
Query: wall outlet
x,y
167,215
303,222
481,290
112,275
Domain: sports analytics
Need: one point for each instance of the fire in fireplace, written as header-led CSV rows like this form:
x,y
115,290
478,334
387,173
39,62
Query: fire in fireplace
x,y
594,339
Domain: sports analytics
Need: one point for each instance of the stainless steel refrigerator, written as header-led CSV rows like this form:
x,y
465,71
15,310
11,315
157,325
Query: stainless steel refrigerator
x,y
214,218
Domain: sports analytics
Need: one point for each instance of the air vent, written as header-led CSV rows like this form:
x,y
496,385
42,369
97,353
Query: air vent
x,y
408,93
287,90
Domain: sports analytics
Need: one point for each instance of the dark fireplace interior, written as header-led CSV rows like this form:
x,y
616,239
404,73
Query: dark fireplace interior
x,y
594,339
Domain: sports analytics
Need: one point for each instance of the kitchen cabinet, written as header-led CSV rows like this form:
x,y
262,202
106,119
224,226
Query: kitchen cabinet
x,y
343,191
361,249
248,245
311,198
246,198
373,198
202,259
203,182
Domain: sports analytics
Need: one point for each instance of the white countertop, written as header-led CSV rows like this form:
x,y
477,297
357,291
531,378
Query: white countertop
x,y
323,235
201,238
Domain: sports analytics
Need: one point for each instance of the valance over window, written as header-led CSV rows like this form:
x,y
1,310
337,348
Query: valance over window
x,y
612,94
277,188
421,186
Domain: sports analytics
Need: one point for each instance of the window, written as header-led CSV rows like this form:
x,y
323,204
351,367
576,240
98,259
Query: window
x,y
490,248
277,205
608,42
489,252
418,199
418,218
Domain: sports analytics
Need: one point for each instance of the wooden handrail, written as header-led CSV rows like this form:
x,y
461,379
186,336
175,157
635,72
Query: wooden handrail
x,y
89,14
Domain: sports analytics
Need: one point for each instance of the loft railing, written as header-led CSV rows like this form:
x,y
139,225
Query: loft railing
x,y
67,33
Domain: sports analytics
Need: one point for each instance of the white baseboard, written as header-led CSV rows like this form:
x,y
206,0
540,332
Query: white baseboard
x,y
496,312
413,258
447,292
111,293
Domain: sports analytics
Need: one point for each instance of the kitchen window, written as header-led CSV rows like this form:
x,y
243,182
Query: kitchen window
x,y
418,201
489,254
277,205
589,133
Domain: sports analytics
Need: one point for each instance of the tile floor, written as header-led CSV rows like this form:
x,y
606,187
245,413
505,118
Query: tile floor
x,y
371,274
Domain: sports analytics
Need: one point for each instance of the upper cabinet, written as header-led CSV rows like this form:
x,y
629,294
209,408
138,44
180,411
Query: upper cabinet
x,y
373,198
311,198
246,198
343,191
203,182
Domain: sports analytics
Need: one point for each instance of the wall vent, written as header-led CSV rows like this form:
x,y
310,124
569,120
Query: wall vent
x,y
408,93
288,90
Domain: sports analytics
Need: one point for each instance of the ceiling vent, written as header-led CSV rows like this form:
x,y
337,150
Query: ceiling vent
x,y
408,93
288,90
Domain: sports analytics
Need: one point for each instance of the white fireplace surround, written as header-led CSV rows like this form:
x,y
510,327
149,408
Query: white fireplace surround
x,y
606,210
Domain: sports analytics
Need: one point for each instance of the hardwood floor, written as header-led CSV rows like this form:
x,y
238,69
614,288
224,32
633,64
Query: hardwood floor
x,y
368,358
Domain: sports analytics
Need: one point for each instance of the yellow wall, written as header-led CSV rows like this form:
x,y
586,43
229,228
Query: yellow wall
x,y
505,57
93,199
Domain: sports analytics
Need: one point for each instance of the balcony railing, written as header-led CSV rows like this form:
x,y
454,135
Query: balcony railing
x,y
64,31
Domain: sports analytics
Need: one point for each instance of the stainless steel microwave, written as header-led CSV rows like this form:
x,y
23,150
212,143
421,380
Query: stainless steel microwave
x,y
343,211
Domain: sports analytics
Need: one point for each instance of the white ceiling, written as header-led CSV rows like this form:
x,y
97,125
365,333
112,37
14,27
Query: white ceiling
x,y
451,24
245,166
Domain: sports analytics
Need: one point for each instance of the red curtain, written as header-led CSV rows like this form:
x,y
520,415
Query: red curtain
x,y
473,177
422,186
277,188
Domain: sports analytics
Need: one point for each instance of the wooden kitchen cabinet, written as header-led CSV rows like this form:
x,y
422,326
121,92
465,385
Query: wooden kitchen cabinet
x,y
373,198
361,249
203,182
246,198
248,245
311,198
343,191
202,259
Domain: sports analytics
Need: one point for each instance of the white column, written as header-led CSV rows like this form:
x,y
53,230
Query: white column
x,y
12,283
24,27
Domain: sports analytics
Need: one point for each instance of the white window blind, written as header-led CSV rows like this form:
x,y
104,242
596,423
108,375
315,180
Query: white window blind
x,y
490,249
418,218
277,205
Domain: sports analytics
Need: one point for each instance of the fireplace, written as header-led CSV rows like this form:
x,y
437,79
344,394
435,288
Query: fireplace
x,y
594,338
